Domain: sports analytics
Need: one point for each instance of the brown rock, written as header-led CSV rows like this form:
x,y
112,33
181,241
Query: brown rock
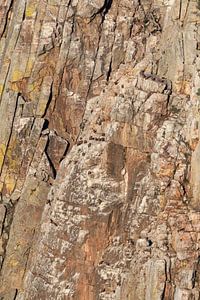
x,y
99,150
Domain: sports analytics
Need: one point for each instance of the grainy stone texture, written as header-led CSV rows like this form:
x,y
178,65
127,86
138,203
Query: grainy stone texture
x,y
99,149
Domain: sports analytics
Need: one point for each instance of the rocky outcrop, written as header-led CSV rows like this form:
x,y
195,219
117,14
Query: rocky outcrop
x,y
99,149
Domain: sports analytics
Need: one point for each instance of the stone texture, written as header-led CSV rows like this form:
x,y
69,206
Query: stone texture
x,y
99,149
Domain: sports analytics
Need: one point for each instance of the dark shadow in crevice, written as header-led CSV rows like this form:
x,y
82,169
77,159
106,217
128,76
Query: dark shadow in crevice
x,y
103,10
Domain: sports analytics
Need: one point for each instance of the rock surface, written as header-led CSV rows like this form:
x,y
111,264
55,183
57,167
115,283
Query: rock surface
x,y
99,149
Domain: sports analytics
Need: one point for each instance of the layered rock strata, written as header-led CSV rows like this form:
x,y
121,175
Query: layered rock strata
x,y
99,149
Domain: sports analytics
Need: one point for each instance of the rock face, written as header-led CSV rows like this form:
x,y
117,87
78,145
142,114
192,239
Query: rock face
x,y
99,149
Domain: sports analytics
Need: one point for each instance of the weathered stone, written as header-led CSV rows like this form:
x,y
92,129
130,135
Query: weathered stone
x,y
56,149
99,149
195,178
156,278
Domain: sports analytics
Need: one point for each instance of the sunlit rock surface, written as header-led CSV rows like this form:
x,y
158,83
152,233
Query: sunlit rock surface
x,y
99,149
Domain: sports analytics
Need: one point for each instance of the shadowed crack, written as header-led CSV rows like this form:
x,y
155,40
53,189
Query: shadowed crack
x,y
6,18
102,11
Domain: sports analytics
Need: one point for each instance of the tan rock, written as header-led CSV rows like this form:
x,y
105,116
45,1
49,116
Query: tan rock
x,y
99,149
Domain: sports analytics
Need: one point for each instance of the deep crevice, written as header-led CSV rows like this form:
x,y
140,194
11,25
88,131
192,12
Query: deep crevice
x,y
102,11
24,14
109,71
164,289
54,172
15,296
45,125
66,151
6,17
49,99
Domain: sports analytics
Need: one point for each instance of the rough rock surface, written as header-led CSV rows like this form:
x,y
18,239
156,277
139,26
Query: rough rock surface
x,y
99,149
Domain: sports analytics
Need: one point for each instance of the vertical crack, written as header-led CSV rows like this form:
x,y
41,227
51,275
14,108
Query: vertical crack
x,y
103,11
49,99
6,18
95,61
183,54
15,296
53,169
24,13
10,210
109,71
66,59
11,131
180,9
